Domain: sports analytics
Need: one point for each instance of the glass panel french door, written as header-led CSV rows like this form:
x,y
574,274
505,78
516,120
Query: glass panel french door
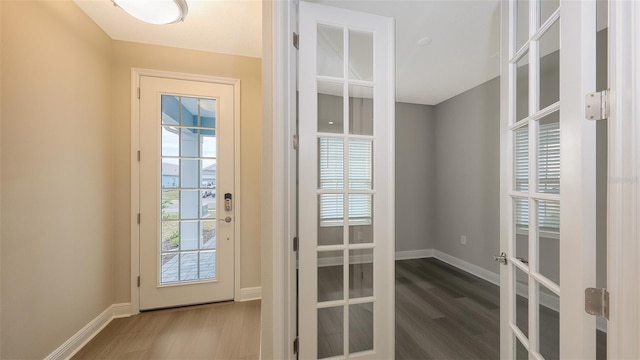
x,y
548,204
186,174
346,184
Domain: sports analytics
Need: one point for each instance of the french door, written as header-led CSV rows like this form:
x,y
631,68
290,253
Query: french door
x,y
346,184
548,179
186,192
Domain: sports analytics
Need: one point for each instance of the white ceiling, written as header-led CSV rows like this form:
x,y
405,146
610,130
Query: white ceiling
x,y
464,51
223,26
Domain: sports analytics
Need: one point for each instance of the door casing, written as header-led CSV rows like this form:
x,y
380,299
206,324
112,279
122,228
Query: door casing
x,y
136,73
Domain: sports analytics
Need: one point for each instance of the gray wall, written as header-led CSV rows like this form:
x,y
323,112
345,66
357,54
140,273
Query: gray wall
x,y
467,166
415,177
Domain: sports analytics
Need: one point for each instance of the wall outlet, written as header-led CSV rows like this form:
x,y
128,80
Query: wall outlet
x,y
463,240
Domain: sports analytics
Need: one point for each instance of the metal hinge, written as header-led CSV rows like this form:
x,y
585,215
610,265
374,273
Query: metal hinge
x,y
295,346
597,105
138,218
138,155
138,281
502,258
295,243
138,93
596,302
295,142
296,40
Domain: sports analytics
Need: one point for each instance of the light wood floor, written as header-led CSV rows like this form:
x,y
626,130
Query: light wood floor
x,y
215,331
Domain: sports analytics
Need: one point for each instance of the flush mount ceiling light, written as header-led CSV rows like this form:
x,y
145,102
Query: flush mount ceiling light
x,y
155,11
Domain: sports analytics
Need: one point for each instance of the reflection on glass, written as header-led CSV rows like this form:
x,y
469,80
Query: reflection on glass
x,y
521,161
361,234
330,219
188,142
207,113
330,163
189,111
170,113
522,87
207,264
360,209
360,273
548,239
208,239
330,107
189,173
170,172
360,110
208,206
170,204
330,332
547,8
208,143
189,204
522,23
521,351
549,154
521,221
170,236
170,145
330,50
188,266
360,55
360,327
522,301
549,332
189,235
330,275
550,66
169,268
360,164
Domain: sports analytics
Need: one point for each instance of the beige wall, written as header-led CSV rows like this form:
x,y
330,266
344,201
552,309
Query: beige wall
x,y
57,251
248,70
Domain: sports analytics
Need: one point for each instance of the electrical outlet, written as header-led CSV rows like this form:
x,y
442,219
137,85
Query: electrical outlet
x,y
463,240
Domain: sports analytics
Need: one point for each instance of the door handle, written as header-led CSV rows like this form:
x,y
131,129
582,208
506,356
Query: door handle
x,y
227,219
502,258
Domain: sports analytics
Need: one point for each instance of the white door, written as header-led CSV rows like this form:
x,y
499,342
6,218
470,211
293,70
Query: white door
x,y
548,179
186,192
346,184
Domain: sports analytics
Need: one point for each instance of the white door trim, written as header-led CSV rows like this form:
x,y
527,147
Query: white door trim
x,y
623,233
136,73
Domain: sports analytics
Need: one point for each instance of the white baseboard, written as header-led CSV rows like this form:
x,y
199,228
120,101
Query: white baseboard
x,y
251,293
414,254
89,331
476,270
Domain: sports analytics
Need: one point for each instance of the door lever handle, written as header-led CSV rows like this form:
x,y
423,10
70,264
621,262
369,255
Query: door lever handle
x,y
227,219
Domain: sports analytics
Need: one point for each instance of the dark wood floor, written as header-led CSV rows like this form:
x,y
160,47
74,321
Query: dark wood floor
x,y
227,330
445,313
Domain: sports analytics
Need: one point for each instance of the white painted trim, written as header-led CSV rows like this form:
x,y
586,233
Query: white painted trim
x,y
623,212
89,331
476,270
136,73
250,293
414,254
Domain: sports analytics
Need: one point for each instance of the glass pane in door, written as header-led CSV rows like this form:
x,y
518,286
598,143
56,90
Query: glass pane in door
x,y
188,199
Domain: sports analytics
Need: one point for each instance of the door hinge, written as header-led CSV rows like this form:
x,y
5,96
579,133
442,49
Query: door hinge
x,y
138,281
295,142
296,346
596,302
597,105
138,93
138,155
296,40
138,218
295,243
502,258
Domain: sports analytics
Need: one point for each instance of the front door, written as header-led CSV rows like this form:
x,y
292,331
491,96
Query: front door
x,y
186,192
346,184
548,186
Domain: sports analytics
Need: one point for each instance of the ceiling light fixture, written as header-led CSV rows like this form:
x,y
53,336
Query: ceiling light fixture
x,y
155,11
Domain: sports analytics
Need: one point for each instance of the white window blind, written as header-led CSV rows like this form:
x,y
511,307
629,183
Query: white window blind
x,y
331,177
548,174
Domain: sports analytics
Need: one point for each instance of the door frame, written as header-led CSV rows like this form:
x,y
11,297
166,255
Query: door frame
x,y
136,73
623,239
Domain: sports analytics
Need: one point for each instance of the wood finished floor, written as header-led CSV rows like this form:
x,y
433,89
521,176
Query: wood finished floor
x,y
214,331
